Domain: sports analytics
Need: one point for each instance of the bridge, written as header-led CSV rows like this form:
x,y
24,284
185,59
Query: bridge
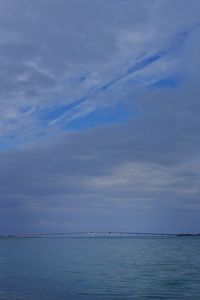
x,y
98,234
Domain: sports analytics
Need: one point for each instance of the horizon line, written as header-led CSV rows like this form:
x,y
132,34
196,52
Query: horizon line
x,y
93,233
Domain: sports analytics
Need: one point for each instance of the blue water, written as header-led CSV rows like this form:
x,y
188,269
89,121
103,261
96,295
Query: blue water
x,y
100,268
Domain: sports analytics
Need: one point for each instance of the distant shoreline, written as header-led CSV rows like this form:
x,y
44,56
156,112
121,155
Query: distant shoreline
x,y
102,234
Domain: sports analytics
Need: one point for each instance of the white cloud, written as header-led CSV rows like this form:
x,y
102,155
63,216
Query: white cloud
x,y
45,46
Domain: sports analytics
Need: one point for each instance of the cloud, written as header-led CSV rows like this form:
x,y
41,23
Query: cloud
x,y
65,62
144,172
46,49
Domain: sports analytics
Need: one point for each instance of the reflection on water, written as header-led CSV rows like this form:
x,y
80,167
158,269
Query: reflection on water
x,y
100,268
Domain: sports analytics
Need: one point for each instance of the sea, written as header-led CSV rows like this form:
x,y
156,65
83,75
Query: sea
x,y
100,268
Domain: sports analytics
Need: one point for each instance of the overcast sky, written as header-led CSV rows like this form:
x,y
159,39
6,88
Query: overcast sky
x,y
99,119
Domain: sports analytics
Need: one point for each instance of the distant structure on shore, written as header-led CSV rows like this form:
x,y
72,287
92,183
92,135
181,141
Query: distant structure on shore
x,y
103,234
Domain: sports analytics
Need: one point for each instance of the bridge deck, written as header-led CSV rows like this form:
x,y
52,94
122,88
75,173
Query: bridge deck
x,y
97,234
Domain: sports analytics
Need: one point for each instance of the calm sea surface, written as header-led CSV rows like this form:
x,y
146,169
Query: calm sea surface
x,y
100,268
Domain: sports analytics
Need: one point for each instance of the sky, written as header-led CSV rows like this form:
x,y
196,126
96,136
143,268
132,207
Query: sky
x,y
99,119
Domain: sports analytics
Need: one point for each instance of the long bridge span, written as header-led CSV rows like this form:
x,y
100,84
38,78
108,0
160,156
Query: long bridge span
x,y
98,234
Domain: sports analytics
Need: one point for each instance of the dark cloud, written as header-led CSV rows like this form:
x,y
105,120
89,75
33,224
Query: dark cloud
x,y
140,175
145,172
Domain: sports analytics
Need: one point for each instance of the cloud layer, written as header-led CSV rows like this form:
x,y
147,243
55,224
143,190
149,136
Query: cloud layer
x,y
132,65
76,57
